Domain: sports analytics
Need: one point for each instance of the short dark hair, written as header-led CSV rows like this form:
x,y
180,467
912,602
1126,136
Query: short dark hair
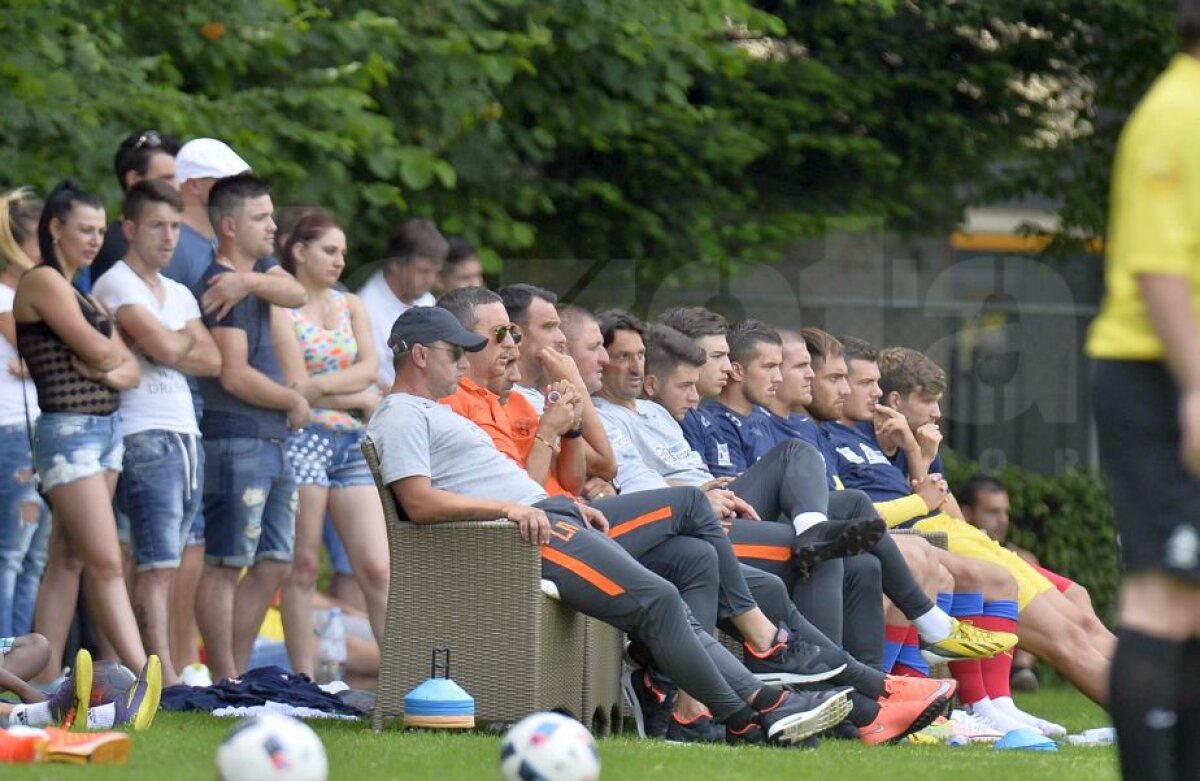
x,y
306,230
1187,23
667,348
462,302
905,370
138,149
822,345
417,238
230,194
58,206
977,484
149,191
747,335
518,297
856,349
695,321
572,317
613,320
458,250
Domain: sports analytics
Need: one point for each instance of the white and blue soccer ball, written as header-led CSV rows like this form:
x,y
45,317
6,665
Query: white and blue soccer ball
x,y
549,747
272,747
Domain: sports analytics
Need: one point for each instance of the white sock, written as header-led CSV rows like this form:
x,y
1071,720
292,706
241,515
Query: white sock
x,y
987,709
805,521
933,625
35,714
1047,728
102,716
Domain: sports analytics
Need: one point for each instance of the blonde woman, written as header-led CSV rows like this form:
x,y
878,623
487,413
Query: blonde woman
x,y
327,351
24,518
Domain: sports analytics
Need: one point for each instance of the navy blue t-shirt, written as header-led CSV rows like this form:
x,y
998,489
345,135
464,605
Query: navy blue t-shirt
x,y
862,464
225,415
901,462
743,433
802,427
704,435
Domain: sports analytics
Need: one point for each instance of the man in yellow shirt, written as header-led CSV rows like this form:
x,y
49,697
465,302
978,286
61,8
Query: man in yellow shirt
x,y
1146,394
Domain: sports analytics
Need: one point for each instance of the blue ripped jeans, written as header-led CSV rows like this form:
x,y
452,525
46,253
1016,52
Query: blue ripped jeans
x,y
24,533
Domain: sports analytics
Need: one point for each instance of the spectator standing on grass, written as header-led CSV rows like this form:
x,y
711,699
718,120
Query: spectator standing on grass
x,y
161,487
461,269
327,353
24,517
250,490
80,364
199,164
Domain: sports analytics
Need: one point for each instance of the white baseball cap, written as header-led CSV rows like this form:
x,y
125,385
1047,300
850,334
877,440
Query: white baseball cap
x,y
207,158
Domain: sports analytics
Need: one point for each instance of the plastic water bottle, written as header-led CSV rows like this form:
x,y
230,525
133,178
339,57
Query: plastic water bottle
x,y
331,649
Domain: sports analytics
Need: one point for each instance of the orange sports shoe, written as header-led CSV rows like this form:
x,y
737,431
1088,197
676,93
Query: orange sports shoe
x,y
88,748
909,705
23,744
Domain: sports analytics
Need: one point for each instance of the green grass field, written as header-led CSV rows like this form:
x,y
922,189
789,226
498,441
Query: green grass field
x,y
180,748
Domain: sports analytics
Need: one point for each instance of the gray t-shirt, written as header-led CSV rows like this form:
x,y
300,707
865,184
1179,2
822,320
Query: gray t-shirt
x,y
657,441
420,437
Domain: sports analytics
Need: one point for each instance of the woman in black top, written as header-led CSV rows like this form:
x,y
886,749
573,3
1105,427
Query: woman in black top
x,y
79,364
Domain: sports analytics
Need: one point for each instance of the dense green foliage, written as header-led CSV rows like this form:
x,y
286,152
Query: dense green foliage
x,y
1066,520
663,132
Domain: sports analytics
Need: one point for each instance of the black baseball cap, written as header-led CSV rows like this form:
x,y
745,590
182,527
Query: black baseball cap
x,y
429,324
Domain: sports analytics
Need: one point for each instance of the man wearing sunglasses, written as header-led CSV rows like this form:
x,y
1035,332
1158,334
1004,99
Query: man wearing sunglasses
x,y
144,154
442,467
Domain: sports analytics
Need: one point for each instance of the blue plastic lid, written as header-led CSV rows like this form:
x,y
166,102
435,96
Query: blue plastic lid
x,y
1028,739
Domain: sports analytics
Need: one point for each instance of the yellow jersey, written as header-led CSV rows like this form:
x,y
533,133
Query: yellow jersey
x,y
1154,217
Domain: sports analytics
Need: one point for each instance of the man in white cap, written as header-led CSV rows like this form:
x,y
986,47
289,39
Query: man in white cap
x,y
199,164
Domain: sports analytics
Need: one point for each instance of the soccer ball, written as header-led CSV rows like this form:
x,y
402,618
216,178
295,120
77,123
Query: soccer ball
x,y
549,747
272,747
110,680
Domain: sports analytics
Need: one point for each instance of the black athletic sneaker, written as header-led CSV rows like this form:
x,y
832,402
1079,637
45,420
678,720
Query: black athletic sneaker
x,y
800,715
650,701
702,729
834,539
792,660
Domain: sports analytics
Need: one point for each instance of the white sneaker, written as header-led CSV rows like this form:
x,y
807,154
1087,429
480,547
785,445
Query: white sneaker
x,y
196,674
976,729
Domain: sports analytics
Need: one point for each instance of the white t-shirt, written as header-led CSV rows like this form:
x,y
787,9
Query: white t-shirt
x,y
12,407
383,308
161,401
658,441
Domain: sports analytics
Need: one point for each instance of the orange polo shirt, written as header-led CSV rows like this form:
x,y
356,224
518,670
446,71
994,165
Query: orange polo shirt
x,y
511,426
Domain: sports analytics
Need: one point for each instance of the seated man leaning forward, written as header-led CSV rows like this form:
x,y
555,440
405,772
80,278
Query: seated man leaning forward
x,y
442,467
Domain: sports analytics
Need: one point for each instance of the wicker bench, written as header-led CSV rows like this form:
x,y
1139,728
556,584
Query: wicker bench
x,y
475,587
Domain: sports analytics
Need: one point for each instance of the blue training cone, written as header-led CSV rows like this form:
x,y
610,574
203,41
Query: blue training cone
x,y
1028,739
439,703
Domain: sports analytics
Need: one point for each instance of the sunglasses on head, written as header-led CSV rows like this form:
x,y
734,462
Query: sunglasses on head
x,y
503,331
151,139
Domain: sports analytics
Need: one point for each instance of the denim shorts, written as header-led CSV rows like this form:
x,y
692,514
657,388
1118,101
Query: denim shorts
x,y
159,491
68,446
249,502
328,458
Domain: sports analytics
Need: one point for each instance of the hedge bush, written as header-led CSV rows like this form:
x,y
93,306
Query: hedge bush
x,y
1065,520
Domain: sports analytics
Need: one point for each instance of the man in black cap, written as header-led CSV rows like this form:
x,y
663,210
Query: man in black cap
x,y
442,467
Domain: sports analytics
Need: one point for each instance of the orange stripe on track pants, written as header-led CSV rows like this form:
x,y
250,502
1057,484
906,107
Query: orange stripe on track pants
x,y
609,587
640,521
